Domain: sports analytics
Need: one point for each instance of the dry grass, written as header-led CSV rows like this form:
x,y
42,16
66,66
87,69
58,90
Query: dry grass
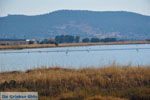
x,y
26,46
103,98
108,83
69,44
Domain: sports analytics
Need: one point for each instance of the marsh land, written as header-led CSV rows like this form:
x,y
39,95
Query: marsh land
x,y
107,83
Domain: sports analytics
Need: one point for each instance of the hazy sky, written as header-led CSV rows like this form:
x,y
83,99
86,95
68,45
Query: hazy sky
x,y
35,7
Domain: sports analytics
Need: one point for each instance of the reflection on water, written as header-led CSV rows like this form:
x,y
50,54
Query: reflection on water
x,y
75,57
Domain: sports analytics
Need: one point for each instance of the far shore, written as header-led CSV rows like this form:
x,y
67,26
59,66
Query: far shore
x,y
29,46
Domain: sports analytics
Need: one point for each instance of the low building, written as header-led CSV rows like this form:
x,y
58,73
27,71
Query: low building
x,y
12,41
17,41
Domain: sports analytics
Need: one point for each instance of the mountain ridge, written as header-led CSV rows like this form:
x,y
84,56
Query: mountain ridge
x,y
72,10
84,23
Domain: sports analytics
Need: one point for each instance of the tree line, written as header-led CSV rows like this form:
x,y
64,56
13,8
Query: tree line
x,y
93,40
75,39
67,39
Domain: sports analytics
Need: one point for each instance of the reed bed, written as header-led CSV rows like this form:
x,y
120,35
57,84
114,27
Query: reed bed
x,y
56,83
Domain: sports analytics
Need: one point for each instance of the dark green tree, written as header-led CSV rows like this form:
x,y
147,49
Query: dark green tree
x,y
77,39
109,40
95,40
85,40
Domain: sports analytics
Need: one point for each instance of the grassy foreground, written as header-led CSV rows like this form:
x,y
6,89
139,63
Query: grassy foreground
x,y
108,83
3,47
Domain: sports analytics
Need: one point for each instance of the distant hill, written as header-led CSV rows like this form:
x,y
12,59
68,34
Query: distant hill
x,y
119,24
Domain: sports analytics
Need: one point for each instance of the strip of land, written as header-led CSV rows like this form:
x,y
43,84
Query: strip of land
x,y
56,83
3,47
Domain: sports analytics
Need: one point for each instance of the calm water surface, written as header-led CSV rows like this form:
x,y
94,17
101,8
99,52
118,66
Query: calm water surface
x,y
84,56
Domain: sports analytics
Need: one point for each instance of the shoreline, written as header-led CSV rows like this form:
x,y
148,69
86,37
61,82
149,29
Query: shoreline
x,y
8,47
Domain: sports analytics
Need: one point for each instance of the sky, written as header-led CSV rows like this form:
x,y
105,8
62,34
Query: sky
x,y
36,7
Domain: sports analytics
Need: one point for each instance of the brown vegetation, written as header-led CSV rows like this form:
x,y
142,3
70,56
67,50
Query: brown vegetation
x,y
69,44
107,83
